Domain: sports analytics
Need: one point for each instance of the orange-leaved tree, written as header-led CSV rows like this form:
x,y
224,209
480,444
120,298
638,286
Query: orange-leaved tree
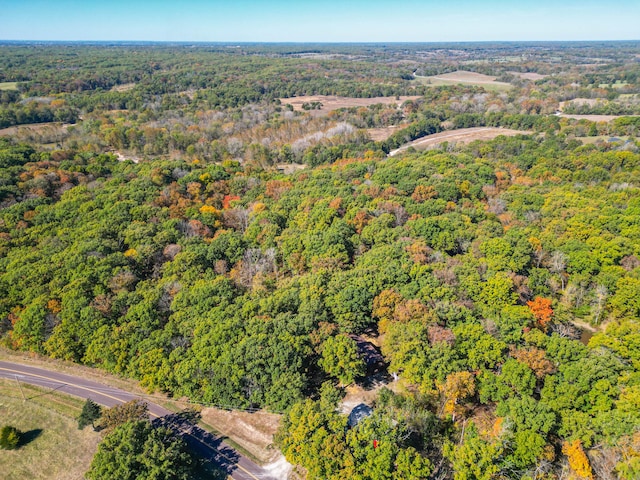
x,y
541,309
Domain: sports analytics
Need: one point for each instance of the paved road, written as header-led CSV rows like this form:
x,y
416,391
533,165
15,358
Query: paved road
x,y
209,446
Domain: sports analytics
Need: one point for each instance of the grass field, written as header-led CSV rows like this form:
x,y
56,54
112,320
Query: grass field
x,y
56,449
48,129
593,118
381,134
582,101
330,102
528,75
125,87
8,85
599,138
463,135
618,84
462,77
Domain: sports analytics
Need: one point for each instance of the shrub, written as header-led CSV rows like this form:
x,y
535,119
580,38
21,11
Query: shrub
x,y
9,438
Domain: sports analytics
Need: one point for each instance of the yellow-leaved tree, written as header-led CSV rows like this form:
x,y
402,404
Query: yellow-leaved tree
x,y
578,460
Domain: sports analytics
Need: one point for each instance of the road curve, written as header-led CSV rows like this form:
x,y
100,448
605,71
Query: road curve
x,y
209,446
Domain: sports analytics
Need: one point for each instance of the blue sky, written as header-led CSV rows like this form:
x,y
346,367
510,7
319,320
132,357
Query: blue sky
x,y
326,21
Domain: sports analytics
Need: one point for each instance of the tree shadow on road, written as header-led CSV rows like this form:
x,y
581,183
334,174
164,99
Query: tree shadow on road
x,y
216,458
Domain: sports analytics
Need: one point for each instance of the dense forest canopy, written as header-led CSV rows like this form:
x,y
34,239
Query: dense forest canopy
x,y
156,239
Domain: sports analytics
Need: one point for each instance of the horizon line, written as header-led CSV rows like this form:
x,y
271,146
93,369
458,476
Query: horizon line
x,y
315,42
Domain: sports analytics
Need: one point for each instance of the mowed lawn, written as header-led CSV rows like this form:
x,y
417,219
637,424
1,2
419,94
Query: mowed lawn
x,y
55,448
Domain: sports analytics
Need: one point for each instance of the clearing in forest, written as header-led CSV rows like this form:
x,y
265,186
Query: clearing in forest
x,y
462,77
382,133
331,102
617,84
528,75
603,138
463,135
54,128
581,101
593,118
125,87
592,102
8,85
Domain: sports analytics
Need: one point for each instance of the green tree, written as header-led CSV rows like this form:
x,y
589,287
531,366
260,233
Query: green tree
x,y
497,293
527,414
340,359
9,437
481,349
138,451
91,412
527,448
410,465
474,458
626,302
515,379
127,412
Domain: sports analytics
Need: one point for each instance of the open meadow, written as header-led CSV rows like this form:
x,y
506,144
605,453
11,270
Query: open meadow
x,y
331,102
462,77
462,136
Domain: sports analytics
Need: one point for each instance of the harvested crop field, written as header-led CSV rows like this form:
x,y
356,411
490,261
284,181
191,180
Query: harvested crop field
x,y
253,432
330,102
465,78
381,134
463,135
